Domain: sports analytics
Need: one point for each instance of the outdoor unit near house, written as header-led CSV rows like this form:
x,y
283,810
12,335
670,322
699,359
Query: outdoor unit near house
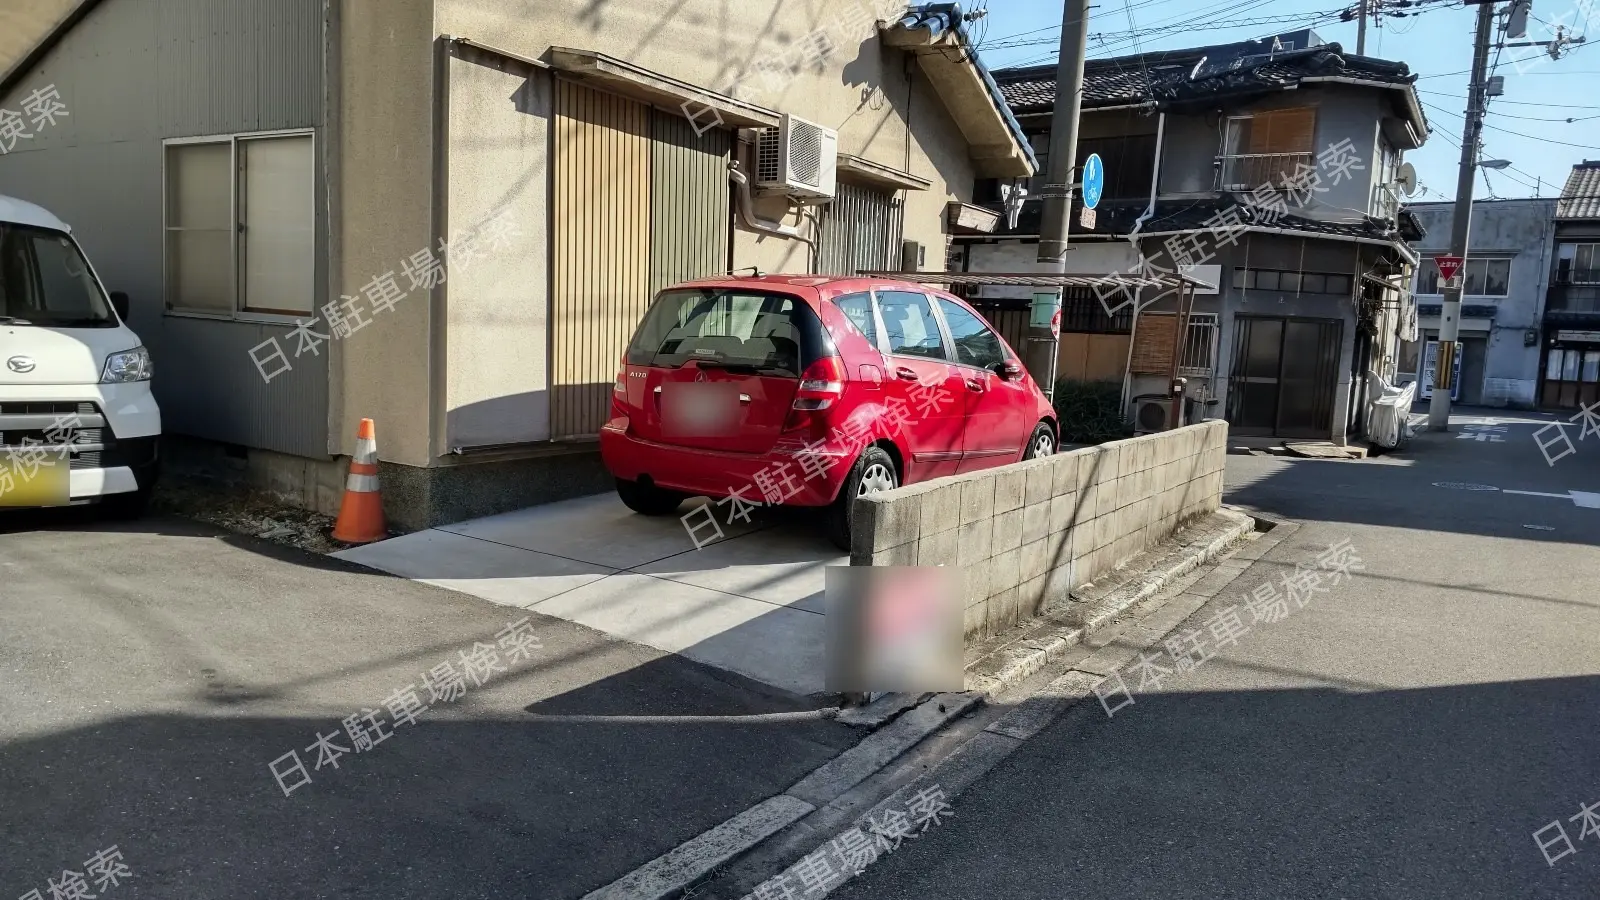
x,y
1150,414
797,158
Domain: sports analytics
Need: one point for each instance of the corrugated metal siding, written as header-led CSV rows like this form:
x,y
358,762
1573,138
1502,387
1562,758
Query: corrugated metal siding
x,y
861,229
133,73
206,380
600,259
689,201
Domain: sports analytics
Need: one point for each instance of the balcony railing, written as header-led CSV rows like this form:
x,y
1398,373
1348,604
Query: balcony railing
x,y
1575,290
1248,171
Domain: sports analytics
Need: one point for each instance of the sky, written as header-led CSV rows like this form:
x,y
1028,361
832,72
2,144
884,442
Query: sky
x,y
1527,125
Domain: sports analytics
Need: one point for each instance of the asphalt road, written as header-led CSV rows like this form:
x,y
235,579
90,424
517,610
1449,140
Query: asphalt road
x,y
1402,736
149,674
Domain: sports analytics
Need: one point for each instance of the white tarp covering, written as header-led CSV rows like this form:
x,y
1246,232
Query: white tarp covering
x,y
1389,418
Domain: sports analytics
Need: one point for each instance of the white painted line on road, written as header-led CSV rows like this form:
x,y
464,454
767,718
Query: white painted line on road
x,y
1537,494
1586,499
678,868
1539,527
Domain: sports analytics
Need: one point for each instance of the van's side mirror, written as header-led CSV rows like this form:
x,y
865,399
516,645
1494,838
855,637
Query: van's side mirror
x,y
119,302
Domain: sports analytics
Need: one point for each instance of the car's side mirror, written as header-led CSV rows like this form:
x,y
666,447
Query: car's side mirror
x,y
1008,370
119,302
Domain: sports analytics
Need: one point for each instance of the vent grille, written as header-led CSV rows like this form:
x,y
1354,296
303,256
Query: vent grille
x,y
805,153
769,157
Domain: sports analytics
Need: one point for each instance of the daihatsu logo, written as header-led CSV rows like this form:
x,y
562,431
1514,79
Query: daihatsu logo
x,y
20,364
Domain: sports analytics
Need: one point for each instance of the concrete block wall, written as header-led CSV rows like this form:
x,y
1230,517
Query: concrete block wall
x,y
1026,534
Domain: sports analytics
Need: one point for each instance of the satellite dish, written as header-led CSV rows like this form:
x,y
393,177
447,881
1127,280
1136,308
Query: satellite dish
x,y
1406,179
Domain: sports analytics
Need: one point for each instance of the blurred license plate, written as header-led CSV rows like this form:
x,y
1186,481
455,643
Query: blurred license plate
x,y
24,484
700,409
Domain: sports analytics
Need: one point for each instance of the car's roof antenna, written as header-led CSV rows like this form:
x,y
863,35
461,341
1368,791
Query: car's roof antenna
x,y
754,272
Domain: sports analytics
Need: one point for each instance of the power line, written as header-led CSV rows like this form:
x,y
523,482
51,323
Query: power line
x,y
1510,102
1531,137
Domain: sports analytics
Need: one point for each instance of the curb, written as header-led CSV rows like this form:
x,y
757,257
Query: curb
x,y
831,784
1027,656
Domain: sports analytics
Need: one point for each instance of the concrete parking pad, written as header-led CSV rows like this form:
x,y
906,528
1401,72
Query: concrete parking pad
x,y
750,602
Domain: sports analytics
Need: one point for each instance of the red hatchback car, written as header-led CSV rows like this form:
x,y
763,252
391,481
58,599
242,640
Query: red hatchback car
x,y
812,391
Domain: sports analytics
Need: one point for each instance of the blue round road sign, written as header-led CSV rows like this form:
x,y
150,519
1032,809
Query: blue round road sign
x,y
1094,180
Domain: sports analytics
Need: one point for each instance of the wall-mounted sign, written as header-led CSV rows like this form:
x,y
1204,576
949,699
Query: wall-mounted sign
x,y
1579,337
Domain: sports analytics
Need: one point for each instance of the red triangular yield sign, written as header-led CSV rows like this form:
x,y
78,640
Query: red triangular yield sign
x,y
1448,265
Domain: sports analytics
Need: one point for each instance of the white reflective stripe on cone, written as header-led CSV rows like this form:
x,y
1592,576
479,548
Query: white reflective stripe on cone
x,y
366,450
361,483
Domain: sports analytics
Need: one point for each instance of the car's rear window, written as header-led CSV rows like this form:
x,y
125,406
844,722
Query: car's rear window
x,y
772,333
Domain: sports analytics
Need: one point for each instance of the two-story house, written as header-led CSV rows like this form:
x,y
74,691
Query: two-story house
x,y
1570,370
449,216
1271,169
1503,289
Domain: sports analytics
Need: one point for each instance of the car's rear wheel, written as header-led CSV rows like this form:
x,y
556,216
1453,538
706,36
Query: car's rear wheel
x,y
647,499
873,472
1042,442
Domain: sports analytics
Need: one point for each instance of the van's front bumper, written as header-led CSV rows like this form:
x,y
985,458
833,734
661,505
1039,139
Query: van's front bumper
x,y
108,434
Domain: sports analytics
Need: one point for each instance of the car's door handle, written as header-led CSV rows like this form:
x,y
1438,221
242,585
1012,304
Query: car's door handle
x,y
974,384
905,373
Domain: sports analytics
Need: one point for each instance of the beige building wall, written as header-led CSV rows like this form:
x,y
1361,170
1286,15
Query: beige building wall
x,y
482,379
496,377
383,128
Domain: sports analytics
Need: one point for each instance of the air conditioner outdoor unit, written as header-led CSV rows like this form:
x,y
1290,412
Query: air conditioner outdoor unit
x,y
797,158
1151,413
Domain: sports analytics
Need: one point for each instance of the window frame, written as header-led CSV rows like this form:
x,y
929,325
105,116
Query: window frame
x,y
938,323
1423,270
238,313
950,337
876,339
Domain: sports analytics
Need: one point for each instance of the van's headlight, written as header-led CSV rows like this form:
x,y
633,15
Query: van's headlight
x,y
129,365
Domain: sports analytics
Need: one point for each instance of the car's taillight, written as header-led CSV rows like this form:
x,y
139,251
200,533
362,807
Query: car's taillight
x,y
820,384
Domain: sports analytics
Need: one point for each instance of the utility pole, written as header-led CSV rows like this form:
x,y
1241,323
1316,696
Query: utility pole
x,y
1461,225
1060,170
1361,30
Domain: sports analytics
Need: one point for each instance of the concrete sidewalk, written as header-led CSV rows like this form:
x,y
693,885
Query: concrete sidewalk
x,y
750,602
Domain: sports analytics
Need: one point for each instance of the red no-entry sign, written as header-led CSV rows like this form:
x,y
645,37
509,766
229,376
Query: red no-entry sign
x,y
1448,266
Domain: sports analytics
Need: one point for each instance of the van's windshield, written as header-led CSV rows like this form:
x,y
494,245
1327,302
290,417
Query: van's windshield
x,y
45,281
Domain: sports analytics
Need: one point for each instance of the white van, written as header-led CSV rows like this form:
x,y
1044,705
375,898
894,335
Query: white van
x,y
78,422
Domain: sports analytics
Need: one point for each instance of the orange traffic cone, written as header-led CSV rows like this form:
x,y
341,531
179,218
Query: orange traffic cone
x,y
361,513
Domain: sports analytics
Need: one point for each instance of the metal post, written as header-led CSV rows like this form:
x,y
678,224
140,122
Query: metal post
x,y
1043,343
1181,331
1361,30
1461,227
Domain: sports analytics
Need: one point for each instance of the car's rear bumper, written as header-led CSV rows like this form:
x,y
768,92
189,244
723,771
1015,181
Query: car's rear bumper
x,y
788,474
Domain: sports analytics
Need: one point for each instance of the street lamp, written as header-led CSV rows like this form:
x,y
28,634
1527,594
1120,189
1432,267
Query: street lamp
x,y
1494,163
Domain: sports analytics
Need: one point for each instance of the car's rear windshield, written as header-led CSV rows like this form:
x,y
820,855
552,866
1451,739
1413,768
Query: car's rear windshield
x,y
45,281
735,328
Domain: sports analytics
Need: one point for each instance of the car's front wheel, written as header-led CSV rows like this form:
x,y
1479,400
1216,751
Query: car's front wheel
x,y
647,499
873,472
